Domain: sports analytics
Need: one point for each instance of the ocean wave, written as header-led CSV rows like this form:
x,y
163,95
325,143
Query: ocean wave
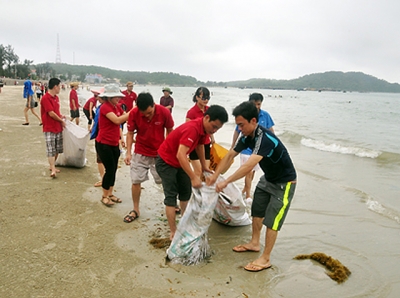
x,y
337,148
377,207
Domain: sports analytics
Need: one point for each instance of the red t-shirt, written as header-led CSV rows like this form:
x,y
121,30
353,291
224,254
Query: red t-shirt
x,y
150,133
195,113
190,134
73,96
109,133
90,100
47,104
128,100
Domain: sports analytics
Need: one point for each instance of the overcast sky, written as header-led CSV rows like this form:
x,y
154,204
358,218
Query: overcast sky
x,y
211,40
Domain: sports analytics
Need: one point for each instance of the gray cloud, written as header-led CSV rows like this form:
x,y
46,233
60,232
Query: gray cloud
x,y
211,39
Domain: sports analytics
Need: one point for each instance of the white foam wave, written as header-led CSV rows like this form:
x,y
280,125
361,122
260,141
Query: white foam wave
x,y
336,148
380,209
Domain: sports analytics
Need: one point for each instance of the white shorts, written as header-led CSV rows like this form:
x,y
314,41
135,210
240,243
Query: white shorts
x,y
244,158
140,166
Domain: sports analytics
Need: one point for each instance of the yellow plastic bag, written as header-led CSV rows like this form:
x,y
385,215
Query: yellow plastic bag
x,y
217,152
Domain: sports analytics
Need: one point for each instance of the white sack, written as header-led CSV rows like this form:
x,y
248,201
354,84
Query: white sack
x,y
75,139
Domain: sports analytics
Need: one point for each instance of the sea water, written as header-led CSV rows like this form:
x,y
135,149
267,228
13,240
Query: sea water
x,y
346,150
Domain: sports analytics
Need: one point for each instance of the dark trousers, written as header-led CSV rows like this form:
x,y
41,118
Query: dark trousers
x,y
109,155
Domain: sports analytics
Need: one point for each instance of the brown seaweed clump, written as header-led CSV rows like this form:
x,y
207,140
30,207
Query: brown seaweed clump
x,y
160,242
338,272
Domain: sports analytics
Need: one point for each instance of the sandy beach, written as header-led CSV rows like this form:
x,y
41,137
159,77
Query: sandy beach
x,y
58,240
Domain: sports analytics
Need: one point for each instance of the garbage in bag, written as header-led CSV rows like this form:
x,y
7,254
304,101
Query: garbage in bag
x,y
75,139
190,244
231,208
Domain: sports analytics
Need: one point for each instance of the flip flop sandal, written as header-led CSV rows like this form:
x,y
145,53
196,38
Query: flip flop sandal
x,y
108,202
129,218
115,199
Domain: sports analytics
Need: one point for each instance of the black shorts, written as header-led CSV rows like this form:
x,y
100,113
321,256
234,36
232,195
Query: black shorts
x,y
74,114
176,183
193,154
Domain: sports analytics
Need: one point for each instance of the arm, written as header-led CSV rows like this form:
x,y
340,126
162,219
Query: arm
x,y
246,168
129,142
222,166
169,130
272,129
57,118
117,120
184,162
91,110
234,138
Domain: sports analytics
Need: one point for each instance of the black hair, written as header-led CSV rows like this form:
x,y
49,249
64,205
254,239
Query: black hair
x,y
256,97
144,100
54,82
217,112
200,91
247,110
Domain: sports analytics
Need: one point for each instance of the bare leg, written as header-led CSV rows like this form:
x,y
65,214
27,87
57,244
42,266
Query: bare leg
x,y
77,120
34,113
254,244
52,163
136,190
183,205
26,114
264,259
170,212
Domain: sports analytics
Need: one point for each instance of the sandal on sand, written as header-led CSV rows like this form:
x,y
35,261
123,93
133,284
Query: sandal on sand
x,y
177,210
242,248
129,218
107,201
253,267
115,199
98,183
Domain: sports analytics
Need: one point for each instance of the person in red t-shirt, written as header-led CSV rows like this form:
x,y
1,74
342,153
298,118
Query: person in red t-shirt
x,y
201,99
74,103
89,106
128,101
172,163
53,124
152,123
107,141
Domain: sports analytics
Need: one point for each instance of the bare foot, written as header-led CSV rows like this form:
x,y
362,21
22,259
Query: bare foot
x,y
57,170
246,247
53,175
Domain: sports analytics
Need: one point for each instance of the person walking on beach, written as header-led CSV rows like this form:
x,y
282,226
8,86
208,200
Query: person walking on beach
x,y
111,116
201,99
89,106
151,123
74,103
166,100
264,119
53,124
38,91
30,102
129,99
274,191
94,130
172,163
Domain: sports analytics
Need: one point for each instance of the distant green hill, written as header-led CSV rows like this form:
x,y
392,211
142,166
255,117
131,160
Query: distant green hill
x,y
331,80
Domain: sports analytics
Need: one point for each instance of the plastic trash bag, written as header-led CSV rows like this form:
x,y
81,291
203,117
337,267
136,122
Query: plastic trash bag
x,y
217,153
231,209
190,244
75,139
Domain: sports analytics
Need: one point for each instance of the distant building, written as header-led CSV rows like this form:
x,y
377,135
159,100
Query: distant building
x,y
94,78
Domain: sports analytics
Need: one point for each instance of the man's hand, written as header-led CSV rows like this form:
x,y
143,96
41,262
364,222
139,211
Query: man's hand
x,y
196,182
220,186
211,180
127,159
